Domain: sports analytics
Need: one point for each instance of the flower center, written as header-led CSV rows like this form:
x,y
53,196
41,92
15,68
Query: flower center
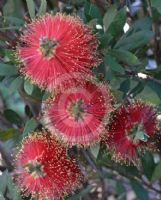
x,y
35,168
77,110
47,47
138,134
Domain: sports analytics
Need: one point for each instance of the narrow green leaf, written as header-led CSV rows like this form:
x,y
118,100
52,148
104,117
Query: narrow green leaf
x,y
8,8
156,4
135,41
116,27
43,7
31,8
142,24
95,149
148,164
157,173
7,70
14,20
13,190
137,89
30,126
9,134
3,182
125,86
15,84
113,64
28,87
141,135
125,57
109,16
13,117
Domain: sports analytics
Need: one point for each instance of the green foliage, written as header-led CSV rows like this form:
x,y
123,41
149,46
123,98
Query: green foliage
x,y
31,8
156,4
43,7
13,117
7,70
157,173
124,56
109,16
29,126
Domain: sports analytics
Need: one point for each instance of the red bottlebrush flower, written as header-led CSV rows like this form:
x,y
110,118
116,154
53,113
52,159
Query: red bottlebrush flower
x,y
43,168
130,131
56,45
77,115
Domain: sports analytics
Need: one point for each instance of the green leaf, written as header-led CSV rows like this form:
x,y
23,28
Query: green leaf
x,y
13,117
28,87
8,8
46,95
91,11
109,16
149,95
95,149
156,4
116,27
137,89
13,20
31,8
157,173
139,190
15,84
136,40
155,87
125,86
37,93
113,64
7,70
125,56
141,135
13,8
3,182
141,24
9,134
28,111
148,164
30,126
43,7
13,190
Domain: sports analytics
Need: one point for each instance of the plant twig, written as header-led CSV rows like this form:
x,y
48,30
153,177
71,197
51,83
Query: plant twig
x,y
91,161
6,157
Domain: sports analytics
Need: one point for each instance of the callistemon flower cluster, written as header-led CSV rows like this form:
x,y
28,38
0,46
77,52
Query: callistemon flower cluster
x,y
44,169
131,131
78,115
55,45
57,53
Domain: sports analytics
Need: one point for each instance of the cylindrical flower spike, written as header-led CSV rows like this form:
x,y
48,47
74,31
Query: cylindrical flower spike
x,y
130,131
55,45
43,168
77,115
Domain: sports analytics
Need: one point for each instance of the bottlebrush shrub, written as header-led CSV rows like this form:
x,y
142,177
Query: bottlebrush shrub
x,y
130,131
44,169
77,115
53,45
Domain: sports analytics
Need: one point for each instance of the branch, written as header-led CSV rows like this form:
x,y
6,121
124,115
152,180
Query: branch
x,y
90,160
6,156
